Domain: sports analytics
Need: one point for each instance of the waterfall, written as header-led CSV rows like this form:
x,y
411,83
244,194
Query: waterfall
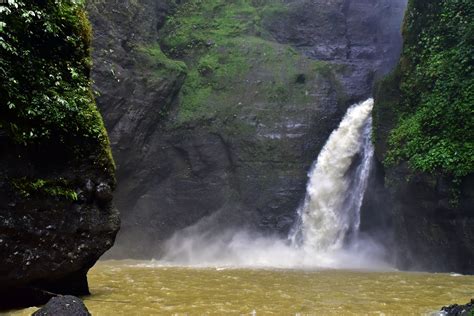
x,y
327,231
331,211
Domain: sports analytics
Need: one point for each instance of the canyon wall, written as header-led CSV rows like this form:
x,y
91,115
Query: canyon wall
x,y
424,141
218,107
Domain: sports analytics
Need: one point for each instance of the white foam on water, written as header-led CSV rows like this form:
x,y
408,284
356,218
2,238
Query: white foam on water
x,y
243,249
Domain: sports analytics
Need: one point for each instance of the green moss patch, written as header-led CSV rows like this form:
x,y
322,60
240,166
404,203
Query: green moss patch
x,y
57,188
162,65
233,63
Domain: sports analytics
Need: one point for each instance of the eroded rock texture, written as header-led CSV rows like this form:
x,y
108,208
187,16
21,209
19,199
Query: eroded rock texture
x,y
49,241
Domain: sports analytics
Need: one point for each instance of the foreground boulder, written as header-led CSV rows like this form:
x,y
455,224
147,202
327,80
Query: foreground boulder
x,y
56,170
65,306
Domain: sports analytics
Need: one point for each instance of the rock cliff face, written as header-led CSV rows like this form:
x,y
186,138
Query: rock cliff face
x,y
56,171
220,108
423,134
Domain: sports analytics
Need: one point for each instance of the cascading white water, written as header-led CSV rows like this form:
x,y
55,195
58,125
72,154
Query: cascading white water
x,y
334,194
328,220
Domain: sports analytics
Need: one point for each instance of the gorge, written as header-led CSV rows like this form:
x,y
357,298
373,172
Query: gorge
x,y
233,102
242,119
247,166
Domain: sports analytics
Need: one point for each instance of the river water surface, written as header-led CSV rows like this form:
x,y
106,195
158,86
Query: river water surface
x,y
144,288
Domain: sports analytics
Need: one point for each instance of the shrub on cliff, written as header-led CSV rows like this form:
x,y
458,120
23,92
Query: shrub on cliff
x,y
45,66
435,90
46,103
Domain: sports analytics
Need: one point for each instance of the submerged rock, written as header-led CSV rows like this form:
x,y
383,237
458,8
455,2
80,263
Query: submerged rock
x,y
64,306
458,310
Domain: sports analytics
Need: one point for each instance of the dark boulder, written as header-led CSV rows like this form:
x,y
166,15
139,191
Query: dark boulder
x,y
64,306
57,175
50,239
459,310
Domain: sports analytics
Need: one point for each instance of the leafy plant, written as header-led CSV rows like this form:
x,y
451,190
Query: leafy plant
x,y
45,63
435,108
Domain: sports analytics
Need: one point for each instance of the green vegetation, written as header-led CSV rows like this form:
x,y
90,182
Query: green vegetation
x,y
59,188
431,93
201,24
232,60
164,65
45,66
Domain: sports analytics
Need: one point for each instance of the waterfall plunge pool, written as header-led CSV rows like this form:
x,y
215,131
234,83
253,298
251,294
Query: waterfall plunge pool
x,y
148,288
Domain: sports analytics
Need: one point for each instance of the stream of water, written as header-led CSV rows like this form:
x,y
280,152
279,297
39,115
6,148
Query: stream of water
x,y
334,194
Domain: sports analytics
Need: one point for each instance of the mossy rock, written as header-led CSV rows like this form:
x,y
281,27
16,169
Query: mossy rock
x,y
56,168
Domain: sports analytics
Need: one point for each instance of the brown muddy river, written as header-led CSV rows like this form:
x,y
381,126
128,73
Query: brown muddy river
x,y
144,288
